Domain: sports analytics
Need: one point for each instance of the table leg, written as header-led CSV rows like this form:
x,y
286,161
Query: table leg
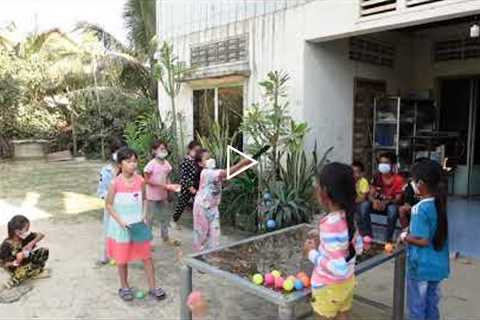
x,y
399,288
186,289
286,312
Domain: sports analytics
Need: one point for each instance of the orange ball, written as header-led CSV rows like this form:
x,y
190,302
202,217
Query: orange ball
x,y
292,278
389,248
306,281
301,275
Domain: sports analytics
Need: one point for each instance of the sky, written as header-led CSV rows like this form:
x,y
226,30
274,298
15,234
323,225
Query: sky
x,y
46,14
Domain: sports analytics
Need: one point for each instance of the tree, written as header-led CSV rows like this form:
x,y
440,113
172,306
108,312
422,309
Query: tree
x,y
140,21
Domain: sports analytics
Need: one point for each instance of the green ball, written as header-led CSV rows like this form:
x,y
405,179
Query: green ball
x,y
257,279
139,294
288,285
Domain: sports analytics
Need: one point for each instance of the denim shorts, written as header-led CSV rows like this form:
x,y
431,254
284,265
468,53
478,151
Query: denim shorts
x,y
423,299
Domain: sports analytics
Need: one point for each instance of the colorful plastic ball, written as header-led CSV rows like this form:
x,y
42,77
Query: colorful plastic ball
x,y
267,196
306,282
269,279
367,239
298,284
276,273
257,279
389,248
279,283
291,278
300,275
112,262
288,285
139,295
271,224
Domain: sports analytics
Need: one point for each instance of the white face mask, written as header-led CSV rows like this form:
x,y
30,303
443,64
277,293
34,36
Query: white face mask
x,y
384,168
114,156
23,235
211,164
162,155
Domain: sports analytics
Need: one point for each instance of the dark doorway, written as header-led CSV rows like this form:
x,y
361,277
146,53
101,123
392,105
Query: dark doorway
x,y
364,93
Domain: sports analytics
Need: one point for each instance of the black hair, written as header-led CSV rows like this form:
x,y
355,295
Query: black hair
x,y
431,174
388,155
336,179
359,165
116,144
193,144
124,154
18,222
156,144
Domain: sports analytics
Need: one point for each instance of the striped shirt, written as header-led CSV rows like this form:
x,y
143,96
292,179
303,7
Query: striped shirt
x,y
330,259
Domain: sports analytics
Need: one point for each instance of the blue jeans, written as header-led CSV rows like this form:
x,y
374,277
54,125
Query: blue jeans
x,y
365,223
423,298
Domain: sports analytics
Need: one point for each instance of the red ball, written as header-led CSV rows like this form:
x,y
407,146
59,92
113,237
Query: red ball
x,y
279,283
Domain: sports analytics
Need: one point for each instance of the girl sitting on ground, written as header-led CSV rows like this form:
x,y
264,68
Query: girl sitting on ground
x,y
124,203
427,240
336,244
206,217
19,254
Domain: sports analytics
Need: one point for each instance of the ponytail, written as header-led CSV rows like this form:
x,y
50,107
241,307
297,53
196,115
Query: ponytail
x,y
441,234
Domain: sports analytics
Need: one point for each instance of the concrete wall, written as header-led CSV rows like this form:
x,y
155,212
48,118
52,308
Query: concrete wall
x,y
329,89
275,43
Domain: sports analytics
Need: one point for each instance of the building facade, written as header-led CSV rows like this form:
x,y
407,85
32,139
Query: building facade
x,y
341,56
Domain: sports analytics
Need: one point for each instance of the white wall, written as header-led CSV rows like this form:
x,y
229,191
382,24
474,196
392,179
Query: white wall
x,y
329,89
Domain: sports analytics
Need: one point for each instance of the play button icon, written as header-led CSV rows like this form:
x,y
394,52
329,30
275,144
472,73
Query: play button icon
x,y
232,149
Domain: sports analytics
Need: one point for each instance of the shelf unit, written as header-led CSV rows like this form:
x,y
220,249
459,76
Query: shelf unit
x,y
395,121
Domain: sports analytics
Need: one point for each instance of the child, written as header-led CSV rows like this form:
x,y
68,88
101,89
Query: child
x,y
427,240
333,252
18,253
125,206
361,183
189,179
157,173
106,176
206,217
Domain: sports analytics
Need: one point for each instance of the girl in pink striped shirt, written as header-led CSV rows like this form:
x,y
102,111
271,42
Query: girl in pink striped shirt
x,y
334,247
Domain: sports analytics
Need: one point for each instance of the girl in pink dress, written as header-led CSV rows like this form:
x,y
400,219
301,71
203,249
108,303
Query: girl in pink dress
x,y
124,203
206,217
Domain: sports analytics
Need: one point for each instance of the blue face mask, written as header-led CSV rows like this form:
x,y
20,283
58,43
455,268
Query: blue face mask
x,y
384,168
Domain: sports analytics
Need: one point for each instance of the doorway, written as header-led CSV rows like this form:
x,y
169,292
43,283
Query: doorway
x,y
365,91
460,112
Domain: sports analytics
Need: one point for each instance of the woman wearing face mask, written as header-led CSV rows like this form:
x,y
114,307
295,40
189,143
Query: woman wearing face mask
x,y
386,195
157,178
18,253
206,217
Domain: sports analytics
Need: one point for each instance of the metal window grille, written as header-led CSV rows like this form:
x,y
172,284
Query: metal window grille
x,y
372,51
219,52
457,49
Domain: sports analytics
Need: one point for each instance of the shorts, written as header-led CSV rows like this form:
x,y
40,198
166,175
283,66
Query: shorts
x,y
330,300
158,211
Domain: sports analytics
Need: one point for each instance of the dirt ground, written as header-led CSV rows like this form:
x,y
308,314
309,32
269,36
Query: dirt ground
x,y
60,200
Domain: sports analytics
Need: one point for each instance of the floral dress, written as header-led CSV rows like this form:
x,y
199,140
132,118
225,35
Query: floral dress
x,y
206,217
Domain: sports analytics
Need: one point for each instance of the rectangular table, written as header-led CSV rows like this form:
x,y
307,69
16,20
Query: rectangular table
x,y
282,250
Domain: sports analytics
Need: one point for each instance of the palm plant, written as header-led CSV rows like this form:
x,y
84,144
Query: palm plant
x,y
140,21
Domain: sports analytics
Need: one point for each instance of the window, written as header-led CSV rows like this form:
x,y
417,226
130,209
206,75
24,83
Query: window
x,y
372,51
223,105
219,52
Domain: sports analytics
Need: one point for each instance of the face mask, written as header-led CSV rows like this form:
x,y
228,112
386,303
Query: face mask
x,y
211,164
162,155
23,235
114,156
384,168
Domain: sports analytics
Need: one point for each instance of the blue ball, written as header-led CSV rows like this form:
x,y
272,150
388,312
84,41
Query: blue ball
x,y
298,284
267,196
271,224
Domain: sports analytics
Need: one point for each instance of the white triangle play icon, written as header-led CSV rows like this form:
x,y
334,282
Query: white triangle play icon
x,y
229,149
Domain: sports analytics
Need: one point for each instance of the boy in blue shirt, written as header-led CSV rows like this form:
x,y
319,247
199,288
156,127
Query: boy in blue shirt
x,y
427,240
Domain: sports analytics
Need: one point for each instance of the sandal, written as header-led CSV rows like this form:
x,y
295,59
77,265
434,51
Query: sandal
x,y
173,242
126,294
157,293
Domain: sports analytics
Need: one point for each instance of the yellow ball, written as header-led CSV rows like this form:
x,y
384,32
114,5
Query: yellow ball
x,y
113,262
292,278
288,285
276,273
257,279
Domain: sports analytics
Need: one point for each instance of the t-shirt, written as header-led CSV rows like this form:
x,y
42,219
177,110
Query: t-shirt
x,y
362,187
425,263
106,177
393,188
159,172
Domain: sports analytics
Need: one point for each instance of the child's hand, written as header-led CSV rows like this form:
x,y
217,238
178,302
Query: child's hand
x,y
192,190
123,224
19,257
313,234
309,245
